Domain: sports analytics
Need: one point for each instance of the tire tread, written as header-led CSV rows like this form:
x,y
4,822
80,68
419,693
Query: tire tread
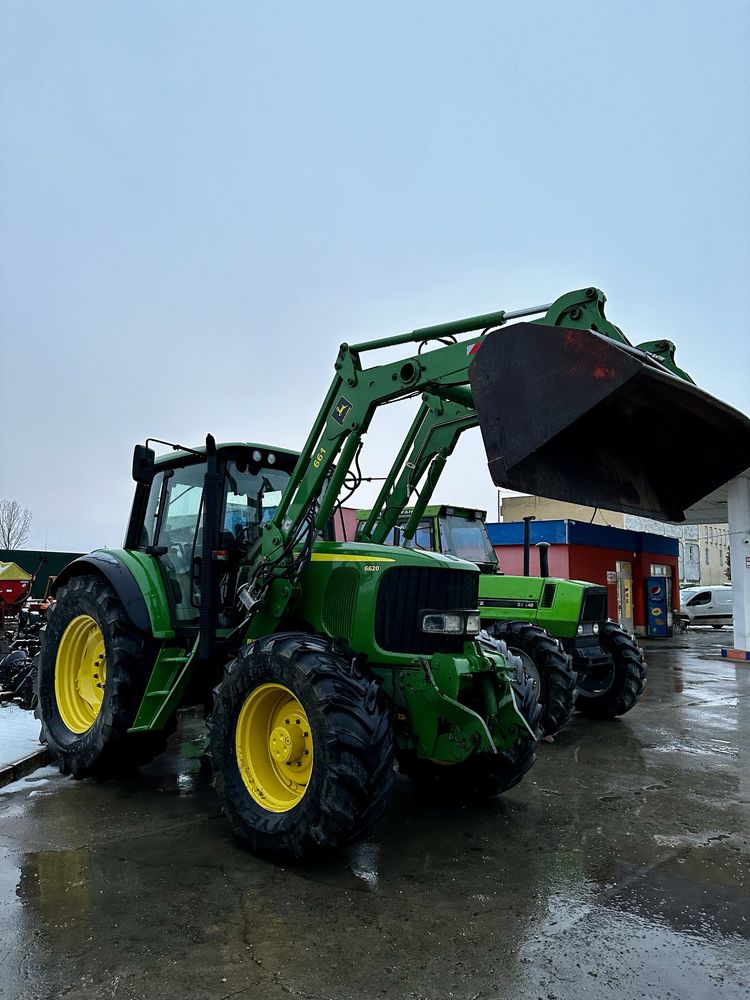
x,y
353,791
557,676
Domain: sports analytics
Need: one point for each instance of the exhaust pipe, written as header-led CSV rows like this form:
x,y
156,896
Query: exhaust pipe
x,y
527,542
543,558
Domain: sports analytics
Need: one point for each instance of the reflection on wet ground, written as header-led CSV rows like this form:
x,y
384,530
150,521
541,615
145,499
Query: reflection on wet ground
x,y
618,868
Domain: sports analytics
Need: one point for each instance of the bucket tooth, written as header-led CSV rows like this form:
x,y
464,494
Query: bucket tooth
x,y
572,415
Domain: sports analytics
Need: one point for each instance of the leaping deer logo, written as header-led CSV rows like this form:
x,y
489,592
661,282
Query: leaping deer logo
x,y
341,409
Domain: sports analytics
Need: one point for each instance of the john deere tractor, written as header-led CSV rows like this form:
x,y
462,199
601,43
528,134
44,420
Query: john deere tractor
x,y
575,654
321,661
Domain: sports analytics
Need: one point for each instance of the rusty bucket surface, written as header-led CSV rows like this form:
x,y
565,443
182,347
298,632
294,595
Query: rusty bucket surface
x,y
573,415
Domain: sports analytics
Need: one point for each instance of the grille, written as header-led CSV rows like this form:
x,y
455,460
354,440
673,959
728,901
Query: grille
x,y
548,595
594,605
406,591
339,602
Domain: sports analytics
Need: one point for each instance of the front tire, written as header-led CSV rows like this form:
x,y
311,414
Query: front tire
x,y
627,676
301,747
547,663
93,670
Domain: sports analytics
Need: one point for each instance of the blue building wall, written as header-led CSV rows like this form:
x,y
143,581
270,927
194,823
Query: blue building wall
x,y
579,533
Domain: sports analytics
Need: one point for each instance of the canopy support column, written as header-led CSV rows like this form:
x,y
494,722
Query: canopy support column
x,y
738,496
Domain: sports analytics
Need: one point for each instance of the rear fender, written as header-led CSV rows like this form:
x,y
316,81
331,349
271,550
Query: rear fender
x,y
136,580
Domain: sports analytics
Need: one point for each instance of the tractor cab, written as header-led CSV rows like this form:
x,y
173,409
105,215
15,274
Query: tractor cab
x,y
189,498
463,533
454,531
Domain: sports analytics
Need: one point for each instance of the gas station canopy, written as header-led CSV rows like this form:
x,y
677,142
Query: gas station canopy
x,y
712,509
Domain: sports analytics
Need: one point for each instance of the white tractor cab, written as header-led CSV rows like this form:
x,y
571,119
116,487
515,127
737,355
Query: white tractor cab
x,y
706,606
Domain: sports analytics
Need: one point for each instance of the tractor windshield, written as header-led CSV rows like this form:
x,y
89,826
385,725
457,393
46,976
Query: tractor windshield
x,y
251,498
467,539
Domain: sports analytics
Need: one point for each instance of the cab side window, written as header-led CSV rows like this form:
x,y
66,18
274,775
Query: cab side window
x,y
148,532
423,535
180,533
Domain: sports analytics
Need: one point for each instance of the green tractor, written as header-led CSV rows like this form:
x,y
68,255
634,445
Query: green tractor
x,y
320,662
576,656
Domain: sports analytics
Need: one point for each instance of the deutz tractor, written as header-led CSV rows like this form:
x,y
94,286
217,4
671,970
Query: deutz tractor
x,y
576,656
322,661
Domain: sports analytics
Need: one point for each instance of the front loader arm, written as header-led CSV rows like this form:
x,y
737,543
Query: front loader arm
x,y
336,436
328,455
442,419
540,422
585,311
432,438
354,396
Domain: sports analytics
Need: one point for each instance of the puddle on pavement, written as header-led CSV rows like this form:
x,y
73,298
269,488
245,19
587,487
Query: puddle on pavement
x,y
38,779
56,884
610,947
677,901
184,768
721,747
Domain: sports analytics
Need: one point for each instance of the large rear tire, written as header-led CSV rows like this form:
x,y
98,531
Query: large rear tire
x,y
548,665
93,670
627,676
485,775
301,746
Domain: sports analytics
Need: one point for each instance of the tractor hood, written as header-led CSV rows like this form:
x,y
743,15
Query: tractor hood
x,y
366,553
573,415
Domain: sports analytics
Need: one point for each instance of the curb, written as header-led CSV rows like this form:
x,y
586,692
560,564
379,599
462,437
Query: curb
x,y
25,766
736,654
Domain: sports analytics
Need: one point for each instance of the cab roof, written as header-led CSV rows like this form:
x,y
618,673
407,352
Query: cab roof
x,y
179,453
436,510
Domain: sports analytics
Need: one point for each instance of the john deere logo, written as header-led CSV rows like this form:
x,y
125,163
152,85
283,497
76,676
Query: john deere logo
x,y
341,409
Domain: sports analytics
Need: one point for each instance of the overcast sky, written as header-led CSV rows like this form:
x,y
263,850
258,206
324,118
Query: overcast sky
x,y
200,200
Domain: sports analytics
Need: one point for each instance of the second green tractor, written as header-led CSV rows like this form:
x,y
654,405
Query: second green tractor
x,y
577,656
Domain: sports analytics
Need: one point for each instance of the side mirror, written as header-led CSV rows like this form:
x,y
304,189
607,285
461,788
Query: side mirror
x,y
143,464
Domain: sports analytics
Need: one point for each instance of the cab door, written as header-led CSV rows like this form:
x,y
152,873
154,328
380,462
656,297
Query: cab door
x,y
178,540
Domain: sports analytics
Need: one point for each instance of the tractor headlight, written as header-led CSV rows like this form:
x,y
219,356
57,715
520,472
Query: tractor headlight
x,y
588,629
445,623
473,624
451,622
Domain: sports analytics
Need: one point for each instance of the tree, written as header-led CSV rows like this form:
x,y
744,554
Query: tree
x,y
15,524
728,566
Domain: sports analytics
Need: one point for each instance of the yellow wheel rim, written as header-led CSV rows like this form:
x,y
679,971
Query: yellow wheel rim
x,y
80,674
274,747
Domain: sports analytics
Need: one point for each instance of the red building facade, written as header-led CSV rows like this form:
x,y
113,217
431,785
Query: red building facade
x,y
623,561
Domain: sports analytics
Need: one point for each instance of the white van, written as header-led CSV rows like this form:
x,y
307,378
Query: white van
x,y
707,606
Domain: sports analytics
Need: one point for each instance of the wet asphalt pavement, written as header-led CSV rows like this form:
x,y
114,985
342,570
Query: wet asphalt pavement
x,y
619,868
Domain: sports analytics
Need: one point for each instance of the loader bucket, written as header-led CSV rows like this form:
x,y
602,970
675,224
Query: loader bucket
x,y
573,415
